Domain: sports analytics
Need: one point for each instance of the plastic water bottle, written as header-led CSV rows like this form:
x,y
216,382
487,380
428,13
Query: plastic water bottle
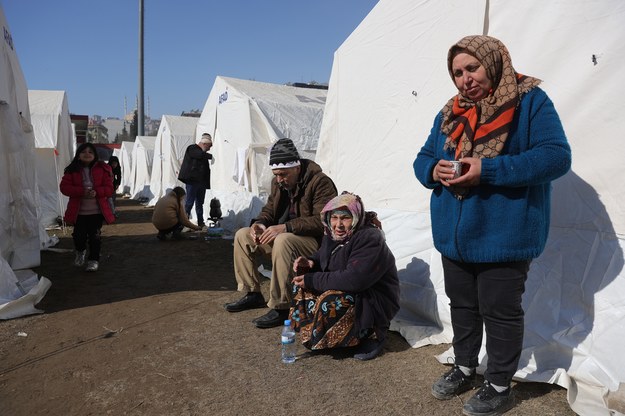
x,y
288,343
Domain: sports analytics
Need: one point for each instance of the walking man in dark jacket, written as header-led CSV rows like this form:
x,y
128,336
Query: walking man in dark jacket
x,y
288,226
195,173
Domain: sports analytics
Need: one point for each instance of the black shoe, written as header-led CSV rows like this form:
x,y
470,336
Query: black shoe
x,y
488,402
452,383
368,349
252,300
161,236
272,319
201,224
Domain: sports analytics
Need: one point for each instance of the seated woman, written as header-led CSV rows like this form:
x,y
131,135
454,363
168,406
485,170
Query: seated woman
x,y
347,292
169,216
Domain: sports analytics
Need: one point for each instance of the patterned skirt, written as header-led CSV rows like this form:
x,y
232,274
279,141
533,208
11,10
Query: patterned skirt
x,y
324,320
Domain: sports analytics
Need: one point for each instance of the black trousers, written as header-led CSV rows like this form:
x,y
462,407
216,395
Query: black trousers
x,y
87,229
487,295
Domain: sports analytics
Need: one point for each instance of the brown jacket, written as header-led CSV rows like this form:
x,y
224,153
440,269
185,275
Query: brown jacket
x,y
313,190
169,211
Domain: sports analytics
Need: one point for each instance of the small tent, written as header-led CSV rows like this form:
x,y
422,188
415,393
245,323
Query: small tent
x,y
245,118
389,80
124,154
142,157
173,137
20,289
54,143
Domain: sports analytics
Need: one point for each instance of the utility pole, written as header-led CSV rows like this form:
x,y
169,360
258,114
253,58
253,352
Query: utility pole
x,y
140,116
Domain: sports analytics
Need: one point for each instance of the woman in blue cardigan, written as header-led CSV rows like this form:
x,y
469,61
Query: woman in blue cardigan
x,y
492,219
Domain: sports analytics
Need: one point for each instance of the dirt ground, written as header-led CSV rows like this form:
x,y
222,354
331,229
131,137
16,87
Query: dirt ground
x,y
147,335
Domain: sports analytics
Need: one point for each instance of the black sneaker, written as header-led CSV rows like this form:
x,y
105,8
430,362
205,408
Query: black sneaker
x,y
452,383
488,402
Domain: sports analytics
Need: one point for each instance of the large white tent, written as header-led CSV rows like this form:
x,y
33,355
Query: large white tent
x,y
20,289
245,118
54,147
389,79
174,135
142,157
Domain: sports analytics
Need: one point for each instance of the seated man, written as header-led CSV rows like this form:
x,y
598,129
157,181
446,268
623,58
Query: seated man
x,y
287,227
169,216
348,291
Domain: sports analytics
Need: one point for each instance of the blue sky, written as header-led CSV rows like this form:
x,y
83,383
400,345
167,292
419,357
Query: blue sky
x,y
90,48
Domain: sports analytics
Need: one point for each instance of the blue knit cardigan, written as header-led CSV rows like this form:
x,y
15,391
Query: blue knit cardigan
x,y
506,217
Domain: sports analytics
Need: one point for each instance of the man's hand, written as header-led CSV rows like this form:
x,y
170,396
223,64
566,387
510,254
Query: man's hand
x,y
256,230
271,233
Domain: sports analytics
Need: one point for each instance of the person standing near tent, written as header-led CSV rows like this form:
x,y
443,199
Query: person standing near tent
x,y
116,170
492,220
288,226
195,173
169,216
88,182
348,290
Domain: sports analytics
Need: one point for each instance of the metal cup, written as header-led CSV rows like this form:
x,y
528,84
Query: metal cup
x,y
457,167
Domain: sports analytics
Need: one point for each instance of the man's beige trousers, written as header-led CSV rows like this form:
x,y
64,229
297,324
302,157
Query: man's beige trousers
x,y
283,251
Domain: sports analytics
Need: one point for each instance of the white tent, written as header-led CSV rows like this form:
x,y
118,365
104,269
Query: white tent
x,y
142,157
389,79
20,290
174,135
124,154
54,143
245,118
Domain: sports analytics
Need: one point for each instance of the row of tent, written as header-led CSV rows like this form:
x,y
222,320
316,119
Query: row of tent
x,y
389,79
244,118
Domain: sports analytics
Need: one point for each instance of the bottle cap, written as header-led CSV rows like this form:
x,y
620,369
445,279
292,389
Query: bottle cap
x,y
287,322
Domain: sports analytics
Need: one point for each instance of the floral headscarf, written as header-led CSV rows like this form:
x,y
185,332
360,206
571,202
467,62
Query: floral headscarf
x,y
480,129
345,201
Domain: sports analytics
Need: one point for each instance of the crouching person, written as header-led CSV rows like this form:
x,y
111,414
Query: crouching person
x,y
170,217
348,291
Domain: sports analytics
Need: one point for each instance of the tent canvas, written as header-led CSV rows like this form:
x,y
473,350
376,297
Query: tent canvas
x,y
19,245
389,79
142,157
54,140
124,154
20,289
173,137
245,118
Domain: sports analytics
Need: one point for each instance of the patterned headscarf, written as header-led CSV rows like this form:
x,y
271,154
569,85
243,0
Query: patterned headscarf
x,y
345,201
480,129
